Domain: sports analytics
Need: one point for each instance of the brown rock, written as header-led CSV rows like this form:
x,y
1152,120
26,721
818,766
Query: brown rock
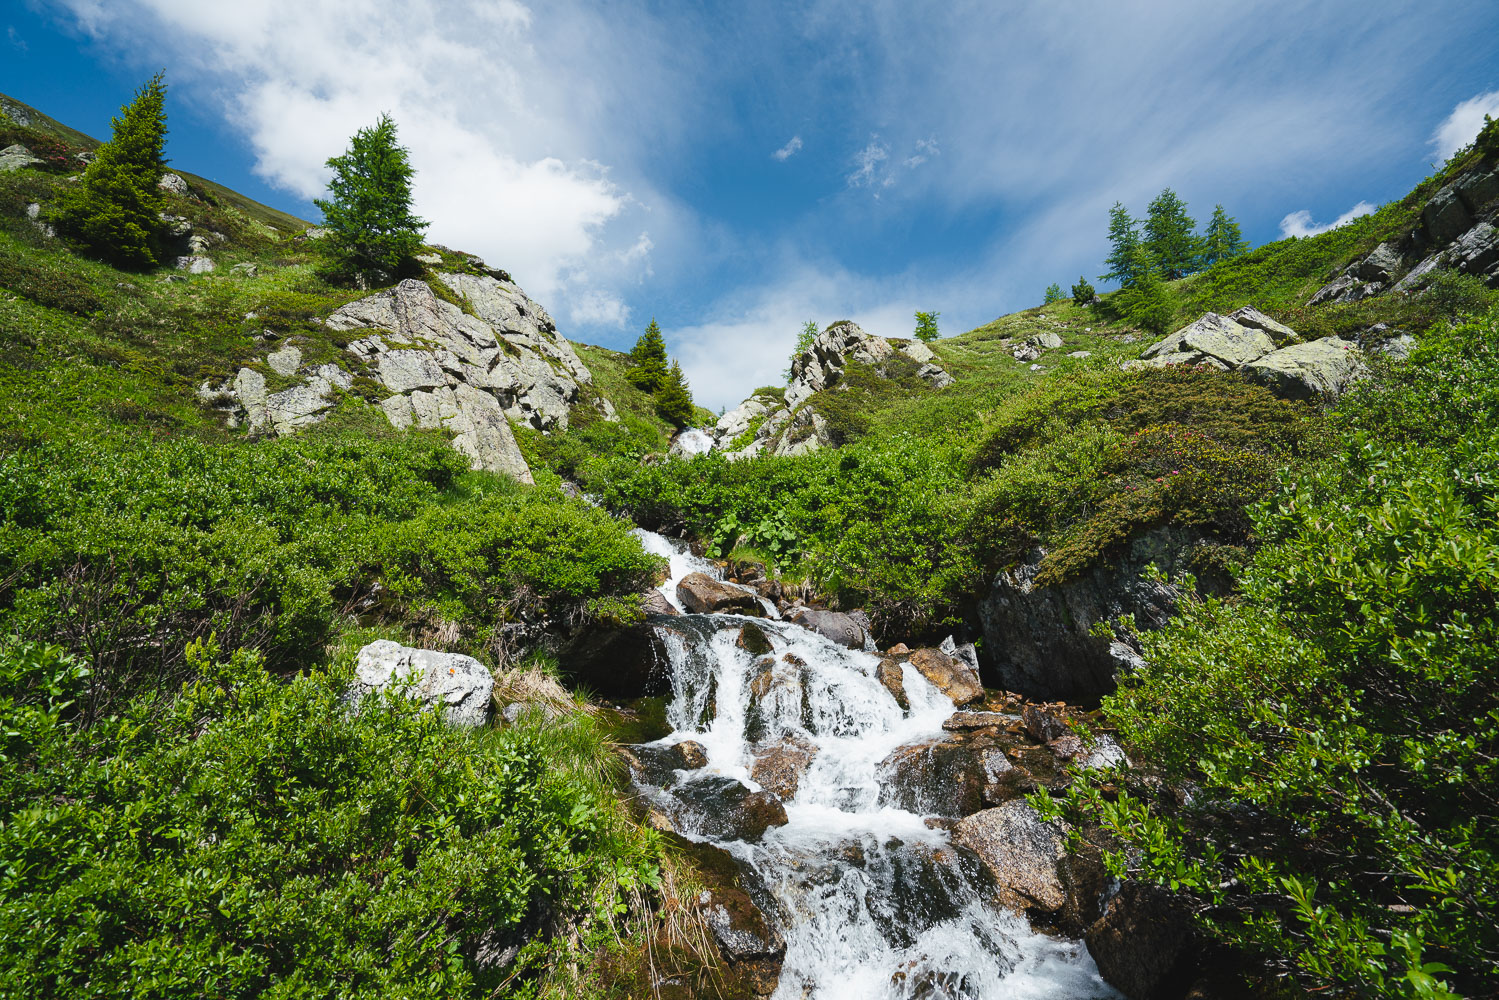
x,y
952,677
1043,725
975,720
941,776
1021,851
751,947
899,649
700,594
1066,747
727,808
779,767
692,754
889,674
653,602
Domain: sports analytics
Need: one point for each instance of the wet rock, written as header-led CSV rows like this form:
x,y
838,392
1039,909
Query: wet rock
x,y
1021,851
951,676
653,602
889,674
692,754
727,809
1066,747
1143,944
615,662
975,720
753,640
940,776
899,649
1043,725
458,685
840,628
751,947
701,594
779,767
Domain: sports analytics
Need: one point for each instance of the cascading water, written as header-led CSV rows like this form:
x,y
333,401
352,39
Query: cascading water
x,y
871,902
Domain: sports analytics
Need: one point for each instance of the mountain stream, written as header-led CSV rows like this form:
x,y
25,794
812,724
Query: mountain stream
x,y
871,900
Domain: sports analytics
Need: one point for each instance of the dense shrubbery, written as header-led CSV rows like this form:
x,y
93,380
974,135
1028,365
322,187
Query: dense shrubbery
x,y
253,837
126,554
1339,722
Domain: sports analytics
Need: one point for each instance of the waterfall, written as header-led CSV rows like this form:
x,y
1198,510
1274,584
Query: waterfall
x,y
871,899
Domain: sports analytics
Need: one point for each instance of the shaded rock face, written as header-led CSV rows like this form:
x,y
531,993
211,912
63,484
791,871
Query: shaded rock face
x,y
616,662
787,426
1021,851
723,807
460,686
472,375
1143,943
1039,636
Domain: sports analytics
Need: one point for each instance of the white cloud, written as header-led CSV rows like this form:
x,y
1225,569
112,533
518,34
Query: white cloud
x,y
477,89
1299,223
15,37
1463,124
924,148
789,150
867,161
596,308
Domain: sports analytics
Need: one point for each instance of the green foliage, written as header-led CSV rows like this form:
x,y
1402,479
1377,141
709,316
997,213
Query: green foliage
x,y
674,399
1171,241
1340,721
926,326
1082,292
1053,294
256,837
371,233
1146,302
114,209
127,553
804,338
1222,240
648,369
1125,261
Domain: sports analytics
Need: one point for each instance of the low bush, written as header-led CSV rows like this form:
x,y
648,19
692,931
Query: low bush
x,y
256,837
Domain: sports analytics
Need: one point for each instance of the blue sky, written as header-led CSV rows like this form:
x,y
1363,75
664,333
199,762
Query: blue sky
x,y
621,158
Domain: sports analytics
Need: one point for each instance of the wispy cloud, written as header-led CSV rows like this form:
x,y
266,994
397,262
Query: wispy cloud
x,y
789,150
596,308
15,38
1300,223
867,161
1463,124
924,148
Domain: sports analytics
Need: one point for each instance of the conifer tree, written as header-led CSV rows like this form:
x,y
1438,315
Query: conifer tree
x,y
1124,240
1222,240
115,209
371,231
674,398
1052,294
1082,292
804,340
926,326
1171,237
647,368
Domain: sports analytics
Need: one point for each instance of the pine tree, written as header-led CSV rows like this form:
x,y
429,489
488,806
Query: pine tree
x,y
1082,292
926,326
1124,240
647,368
1171,237
674,399
804,340
371,231
1222,240
115,209
1052,294
1147,302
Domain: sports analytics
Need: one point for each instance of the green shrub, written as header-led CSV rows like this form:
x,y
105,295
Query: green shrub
x,y
1082,292
255,837
1339,722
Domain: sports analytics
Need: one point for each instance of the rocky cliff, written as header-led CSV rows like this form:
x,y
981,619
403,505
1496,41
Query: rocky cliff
x,y
473,369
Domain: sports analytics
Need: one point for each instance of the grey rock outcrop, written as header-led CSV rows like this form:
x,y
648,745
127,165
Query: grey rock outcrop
x,y
470,373
16,157
1320,369
172,183
460,686
1252,319
1212,339
791,425
1040,637
840,628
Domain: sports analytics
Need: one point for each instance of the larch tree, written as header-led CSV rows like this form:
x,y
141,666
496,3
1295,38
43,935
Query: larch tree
x,y
1222,240
674,398
926,326
647,369
804,338
1171,238
371,232
1124,240
115,208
